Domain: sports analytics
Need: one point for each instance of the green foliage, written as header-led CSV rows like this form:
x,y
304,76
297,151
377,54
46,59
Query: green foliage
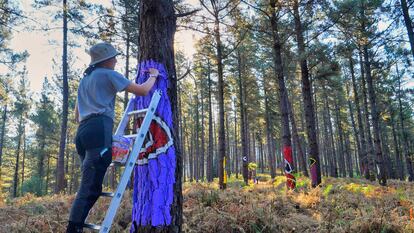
x,y
33,185
327,190
252,166
210,198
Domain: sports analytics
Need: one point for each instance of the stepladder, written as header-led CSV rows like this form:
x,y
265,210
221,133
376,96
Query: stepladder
x,y
130,159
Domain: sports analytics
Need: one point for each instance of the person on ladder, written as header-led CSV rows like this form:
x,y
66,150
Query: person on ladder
x,y
95,112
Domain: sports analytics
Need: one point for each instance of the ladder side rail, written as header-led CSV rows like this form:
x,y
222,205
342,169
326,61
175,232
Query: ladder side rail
x,y
125,118
116,200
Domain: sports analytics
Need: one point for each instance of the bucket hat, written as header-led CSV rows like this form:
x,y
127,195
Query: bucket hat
x,y
101,52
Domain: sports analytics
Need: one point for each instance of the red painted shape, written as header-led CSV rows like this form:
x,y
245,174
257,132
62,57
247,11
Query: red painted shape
x,y
290,179
159,136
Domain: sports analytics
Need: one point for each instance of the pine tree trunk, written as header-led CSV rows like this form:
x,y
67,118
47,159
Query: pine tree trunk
x,y
341,146
157,26
382,176
236,157
60,174
24,156
202,172
243,133
191,156
363,153
228,161
268,136
284,110
314,163
196,138
3,131
408,161
128,44
370,166
301,156
47,175
398,159
210,130
220,95
408,24
16,167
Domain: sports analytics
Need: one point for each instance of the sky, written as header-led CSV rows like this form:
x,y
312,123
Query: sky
x,y
44,47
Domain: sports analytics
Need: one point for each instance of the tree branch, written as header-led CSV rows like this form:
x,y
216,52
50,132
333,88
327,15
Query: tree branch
x,y
187,13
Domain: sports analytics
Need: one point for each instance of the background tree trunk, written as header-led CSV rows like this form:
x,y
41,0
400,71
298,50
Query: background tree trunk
x,y
60,174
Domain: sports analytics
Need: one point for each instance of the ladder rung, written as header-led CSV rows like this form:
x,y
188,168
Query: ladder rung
x,y
118,164
131,135
141,111
91,226
107,194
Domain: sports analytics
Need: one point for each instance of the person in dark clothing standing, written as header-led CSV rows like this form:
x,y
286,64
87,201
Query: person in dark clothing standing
x,y
95,112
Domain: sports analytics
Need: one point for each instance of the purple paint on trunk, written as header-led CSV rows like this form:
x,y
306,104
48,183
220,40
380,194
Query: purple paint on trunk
x,y
153,184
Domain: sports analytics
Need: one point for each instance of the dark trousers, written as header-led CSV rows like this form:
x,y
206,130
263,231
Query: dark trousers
x,y
93,144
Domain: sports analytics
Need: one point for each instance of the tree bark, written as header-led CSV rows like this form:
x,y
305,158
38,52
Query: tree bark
x,y
24,156
202,172
220,95
341,146
210,129
128,44
284,111
314,163
157,26
382,176
16,167
301,156
269,135
356,135
60,174
408,24
369,161
243,133
398,158
363,155
408,161
3,131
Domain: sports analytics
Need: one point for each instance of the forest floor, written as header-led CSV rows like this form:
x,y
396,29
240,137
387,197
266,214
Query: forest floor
x,y
339,205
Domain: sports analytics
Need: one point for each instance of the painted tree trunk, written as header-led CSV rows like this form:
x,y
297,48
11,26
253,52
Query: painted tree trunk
x,y
314,163
158,208
283,104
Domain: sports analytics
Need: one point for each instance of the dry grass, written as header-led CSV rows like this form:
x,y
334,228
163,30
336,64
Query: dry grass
x,y
339,205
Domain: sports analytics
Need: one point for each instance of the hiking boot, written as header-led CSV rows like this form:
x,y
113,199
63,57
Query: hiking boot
x,y
74,227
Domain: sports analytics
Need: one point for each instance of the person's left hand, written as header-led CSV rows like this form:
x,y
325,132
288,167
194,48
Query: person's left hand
x,y
153,72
